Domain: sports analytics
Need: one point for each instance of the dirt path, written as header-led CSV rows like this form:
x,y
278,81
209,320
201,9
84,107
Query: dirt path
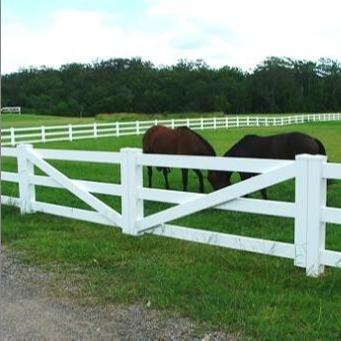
x,y
28,312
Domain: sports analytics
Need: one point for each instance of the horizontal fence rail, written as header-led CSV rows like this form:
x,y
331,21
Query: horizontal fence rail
x,y
13,136
309,210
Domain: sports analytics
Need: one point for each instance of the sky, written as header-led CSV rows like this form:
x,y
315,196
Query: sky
x,y
238,33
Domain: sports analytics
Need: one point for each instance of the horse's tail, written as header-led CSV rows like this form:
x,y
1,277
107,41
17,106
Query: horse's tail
x,y
322,150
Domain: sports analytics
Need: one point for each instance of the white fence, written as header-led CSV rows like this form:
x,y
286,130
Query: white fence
x,y
13,136
309,210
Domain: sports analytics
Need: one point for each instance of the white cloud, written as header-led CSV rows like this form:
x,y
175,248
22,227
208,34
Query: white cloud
x,y
237,33
296,28
76,36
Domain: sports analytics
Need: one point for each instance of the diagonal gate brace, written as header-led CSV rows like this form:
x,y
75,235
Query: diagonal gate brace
x,y
219,197
78,190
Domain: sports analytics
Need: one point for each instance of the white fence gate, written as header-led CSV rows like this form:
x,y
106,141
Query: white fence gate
x,y
309,209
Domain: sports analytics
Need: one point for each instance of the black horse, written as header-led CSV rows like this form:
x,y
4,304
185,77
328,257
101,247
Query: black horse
x,y
282,146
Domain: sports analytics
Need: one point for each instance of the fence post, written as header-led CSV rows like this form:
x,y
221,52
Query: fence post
x,y
70,132
95,129
238,121
226,122
137,127
117,129
173,123
316,228
201,123
25,170
187,123
12,136
310,197
301,207
43,138
131,181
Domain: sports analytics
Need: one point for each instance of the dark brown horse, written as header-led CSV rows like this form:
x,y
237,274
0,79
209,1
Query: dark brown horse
x,y
282,146
182,141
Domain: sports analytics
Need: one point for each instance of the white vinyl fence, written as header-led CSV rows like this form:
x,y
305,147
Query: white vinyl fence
x,y
70,132
309,210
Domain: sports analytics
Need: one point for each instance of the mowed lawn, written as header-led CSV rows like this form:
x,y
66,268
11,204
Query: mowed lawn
x,y
32,120
261,297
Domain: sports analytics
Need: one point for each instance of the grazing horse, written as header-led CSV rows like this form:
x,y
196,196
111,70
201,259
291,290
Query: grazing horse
x,y
282,146
182,141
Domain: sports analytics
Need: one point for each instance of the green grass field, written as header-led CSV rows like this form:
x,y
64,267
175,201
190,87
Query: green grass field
x,y
30,120
261,297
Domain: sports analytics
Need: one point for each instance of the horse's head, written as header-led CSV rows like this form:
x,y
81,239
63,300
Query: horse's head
x,y
219,179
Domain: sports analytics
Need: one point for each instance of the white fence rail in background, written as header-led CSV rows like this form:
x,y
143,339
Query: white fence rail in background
x,y
309,210
69,132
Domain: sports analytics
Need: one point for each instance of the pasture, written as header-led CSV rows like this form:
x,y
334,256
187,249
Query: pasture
x,y
32,120
259,296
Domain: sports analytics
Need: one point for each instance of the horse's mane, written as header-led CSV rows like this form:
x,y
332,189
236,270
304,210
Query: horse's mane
x,y
200,138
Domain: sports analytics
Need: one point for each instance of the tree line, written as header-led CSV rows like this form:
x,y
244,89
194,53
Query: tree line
x,y
133,85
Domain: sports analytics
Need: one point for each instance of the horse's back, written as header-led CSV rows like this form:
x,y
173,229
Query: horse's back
x,y
281,146
159,140
191,143
288,145
299,143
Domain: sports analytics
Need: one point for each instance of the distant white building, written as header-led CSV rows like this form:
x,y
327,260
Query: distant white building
x,y
11,109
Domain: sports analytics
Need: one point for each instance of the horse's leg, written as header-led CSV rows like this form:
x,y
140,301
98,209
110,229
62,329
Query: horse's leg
x,y
150,174
184,178
201,180
165,174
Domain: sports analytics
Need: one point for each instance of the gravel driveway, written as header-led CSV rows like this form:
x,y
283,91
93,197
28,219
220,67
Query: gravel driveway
x,y
29,312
